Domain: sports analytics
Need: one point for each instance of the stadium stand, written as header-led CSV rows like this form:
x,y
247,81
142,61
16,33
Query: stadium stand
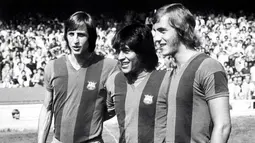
x,y
27,44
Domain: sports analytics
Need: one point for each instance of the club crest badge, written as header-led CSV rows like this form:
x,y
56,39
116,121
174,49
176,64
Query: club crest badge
x,y
91,85
148,99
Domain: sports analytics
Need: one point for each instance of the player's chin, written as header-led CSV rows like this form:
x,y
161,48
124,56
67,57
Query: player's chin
x,y
125,70
76,52
167,52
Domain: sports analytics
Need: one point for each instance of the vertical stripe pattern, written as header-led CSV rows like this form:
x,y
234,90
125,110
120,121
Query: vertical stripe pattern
x,y
161,110
184,101
61,85
87,103
147,108
120,88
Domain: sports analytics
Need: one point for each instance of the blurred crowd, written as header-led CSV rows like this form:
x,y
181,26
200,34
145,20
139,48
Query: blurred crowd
x,y
26,45
231,40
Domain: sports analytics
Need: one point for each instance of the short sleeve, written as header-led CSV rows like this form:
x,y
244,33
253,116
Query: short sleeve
x,y
213,79
48,73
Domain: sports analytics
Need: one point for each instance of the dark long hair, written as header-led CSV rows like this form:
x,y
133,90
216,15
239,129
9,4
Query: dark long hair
x,y
81,19
139,39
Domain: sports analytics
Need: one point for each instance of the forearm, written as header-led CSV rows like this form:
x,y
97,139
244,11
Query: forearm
x,y
219,108
44,124
220,133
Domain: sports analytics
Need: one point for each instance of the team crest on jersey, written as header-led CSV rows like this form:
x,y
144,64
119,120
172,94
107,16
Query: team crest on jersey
x,y
91,85
148,99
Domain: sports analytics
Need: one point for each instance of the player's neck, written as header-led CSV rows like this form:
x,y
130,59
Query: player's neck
x,y
183,56
81,60
136,78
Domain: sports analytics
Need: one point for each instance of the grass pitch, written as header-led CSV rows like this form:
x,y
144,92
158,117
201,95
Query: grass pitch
x,y
243,129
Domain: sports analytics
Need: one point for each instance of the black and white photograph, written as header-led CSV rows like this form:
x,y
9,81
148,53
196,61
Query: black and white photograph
x,y
126,71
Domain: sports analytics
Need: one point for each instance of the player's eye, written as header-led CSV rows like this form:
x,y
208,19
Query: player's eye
x,y
82,35
161,30
70,34
125,50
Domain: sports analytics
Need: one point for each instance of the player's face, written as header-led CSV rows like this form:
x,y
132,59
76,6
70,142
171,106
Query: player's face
x,y
128,60
78,40
166,36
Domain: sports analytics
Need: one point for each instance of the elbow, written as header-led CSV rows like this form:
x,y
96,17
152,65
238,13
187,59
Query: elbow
x,y
225,129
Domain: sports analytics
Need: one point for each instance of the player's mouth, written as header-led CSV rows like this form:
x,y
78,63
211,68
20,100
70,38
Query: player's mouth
x,y
76,48
124,64
162,44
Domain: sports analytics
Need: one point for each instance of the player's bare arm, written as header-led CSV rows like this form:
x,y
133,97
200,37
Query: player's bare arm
x,y
219,108
45,118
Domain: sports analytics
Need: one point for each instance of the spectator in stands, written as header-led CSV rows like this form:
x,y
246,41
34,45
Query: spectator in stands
x,y
252,71
53,44
31,36
38,77
31,65
247,88
236,88
7,74
239,62
24,79
229,69
1,65
231,87
223,57
245,70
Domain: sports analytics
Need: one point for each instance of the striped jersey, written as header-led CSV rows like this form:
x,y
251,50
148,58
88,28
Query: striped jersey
x,y
192,86
79,97
142,110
